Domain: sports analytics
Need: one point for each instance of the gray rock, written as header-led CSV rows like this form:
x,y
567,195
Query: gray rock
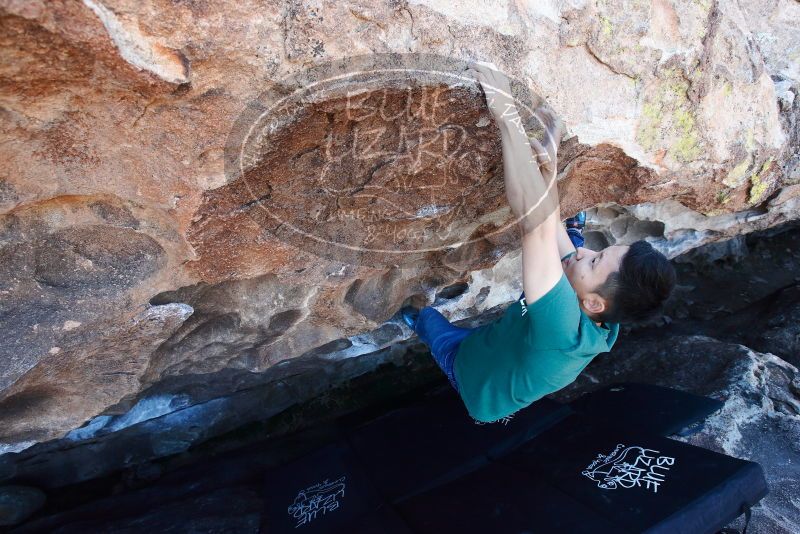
x,y
17,503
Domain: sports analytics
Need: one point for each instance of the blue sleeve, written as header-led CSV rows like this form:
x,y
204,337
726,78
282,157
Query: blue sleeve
x,y
576,236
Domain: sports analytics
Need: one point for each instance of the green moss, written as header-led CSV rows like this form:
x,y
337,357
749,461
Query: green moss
x,y
668,121
750,141
713,213
648,132
727,89
686,147
605,24
757,190
758,185
705,5
651,111
736,177
683,119
675,83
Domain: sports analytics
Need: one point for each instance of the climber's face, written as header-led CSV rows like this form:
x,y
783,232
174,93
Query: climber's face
x,y
587,270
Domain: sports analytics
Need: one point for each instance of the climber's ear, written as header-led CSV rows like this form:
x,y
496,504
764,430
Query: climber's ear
x,y
594,303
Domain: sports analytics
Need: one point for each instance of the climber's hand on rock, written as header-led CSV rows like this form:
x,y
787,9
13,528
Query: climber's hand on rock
x,y
546,151
497,88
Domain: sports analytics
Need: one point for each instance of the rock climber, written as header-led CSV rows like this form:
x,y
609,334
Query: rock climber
x,y
573,301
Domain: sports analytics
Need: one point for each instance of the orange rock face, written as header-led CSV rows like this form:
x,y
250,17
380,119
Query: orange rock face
x,y
163,214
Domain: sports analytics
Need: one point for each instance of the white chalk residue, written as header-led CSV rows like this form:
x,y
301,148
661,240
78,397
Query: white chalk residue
x,y
136,49
6,448
90,429
361,344
428,211
145,409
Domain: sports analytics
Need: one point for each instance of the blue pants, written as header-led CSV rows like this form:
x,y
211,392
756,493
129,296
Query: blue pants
x,y
442,338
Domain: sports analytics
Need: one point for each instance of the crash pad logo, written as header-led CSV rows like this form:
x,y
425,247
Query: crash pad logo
x,y
629,467
504,420
316,501
380,160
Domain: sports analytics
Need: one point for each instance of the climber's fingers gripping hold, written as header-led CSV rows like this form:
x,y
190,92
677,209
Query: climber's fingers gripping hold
x,y
542,156
492,80
553,127
546,152
497,89
480,76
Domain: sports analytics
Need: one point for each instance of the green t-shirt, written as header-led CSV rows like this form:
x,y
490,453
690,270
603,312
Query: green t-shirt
x,y
531,351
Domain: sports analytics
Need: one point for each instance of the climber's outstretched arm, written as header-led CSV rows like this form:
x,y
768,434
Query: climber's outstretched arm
x,y
565,246
541,265
546,154
533,200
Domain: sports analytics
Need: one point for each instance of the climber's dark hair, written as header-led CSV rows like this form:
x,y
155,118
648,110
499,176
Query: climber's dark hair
x,y
637,291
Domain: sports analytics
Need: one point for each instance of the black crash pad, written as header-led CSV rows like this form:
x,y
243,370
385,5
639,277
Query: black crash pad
x,y
639,481
656,409
429,467
500,499
326,491
433,441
